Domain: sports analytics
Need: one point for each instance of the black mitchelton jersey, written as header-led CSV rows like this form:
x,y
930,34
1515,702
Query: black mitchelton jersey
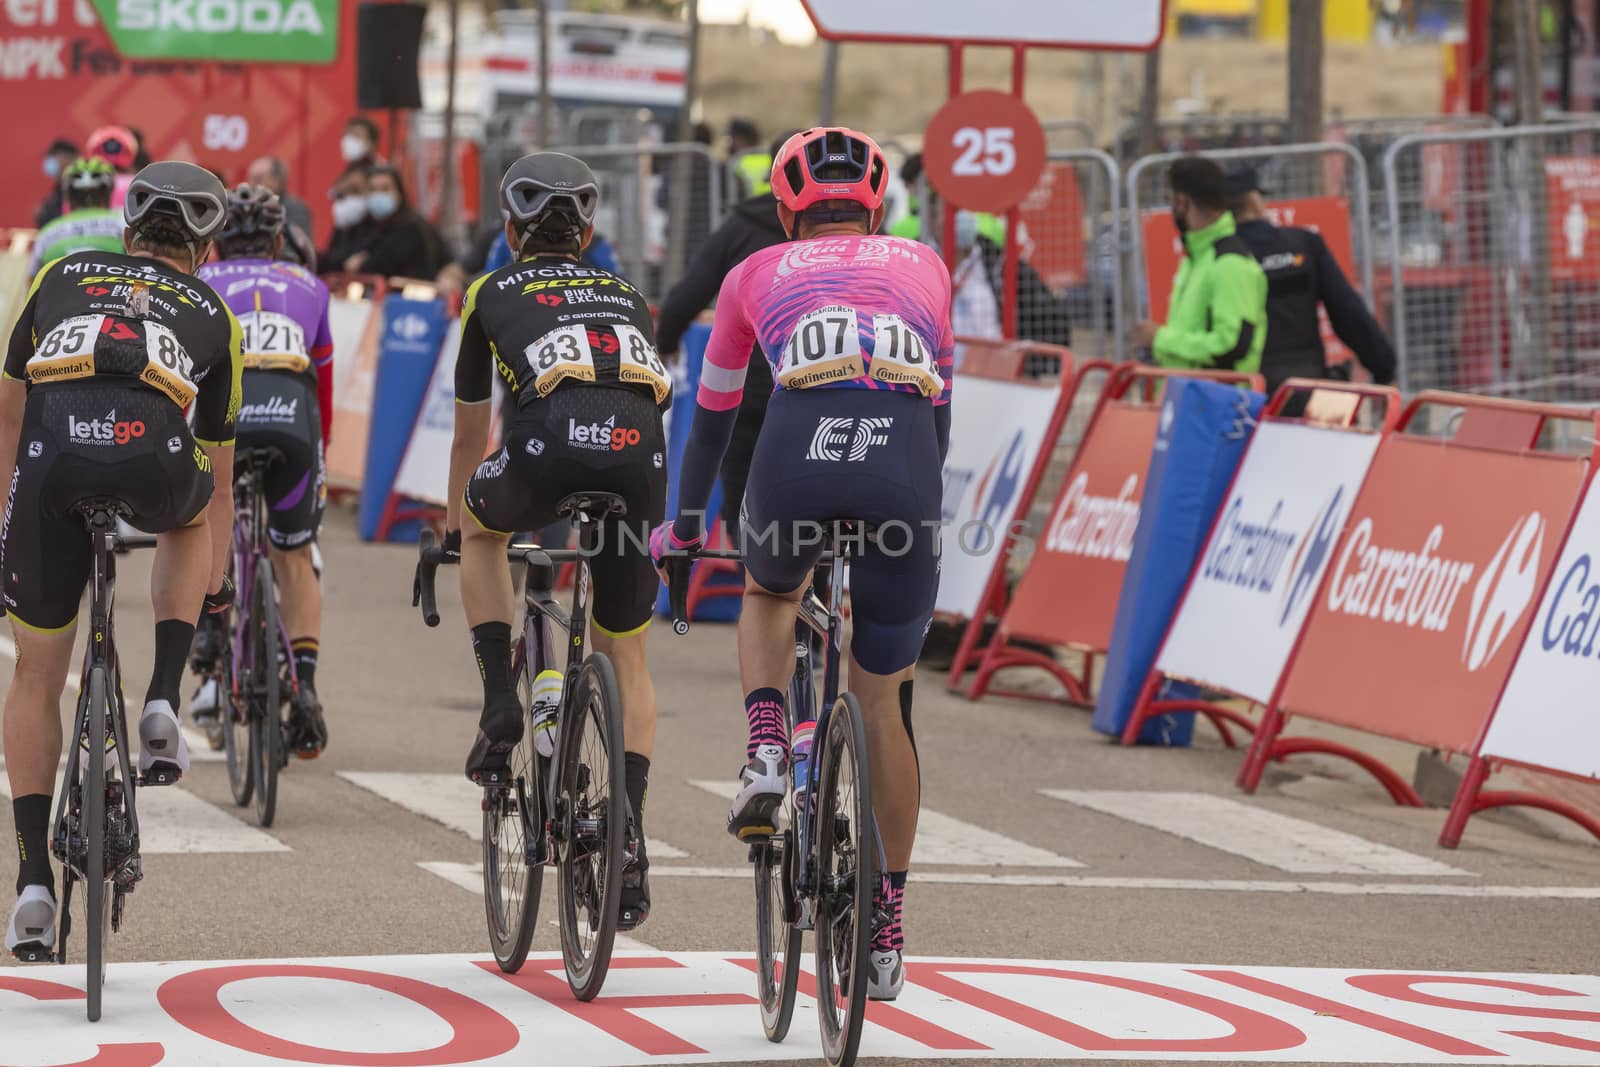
x,y
119,317
549,320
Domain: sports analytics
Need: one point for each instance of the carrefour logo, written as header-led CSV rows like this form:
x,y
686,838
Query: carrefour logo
x,y
1001,482
1573,621
1312,554
409,327
1503,591
1247,554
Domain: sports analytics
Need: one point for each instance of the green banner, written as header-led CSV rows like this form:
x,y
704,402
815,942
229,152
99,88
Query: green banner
x,y
247,31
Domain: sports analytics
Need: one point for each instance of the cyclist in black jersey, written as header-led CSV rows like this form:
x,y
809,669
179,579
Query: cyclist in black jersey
x,y
108,351
575,345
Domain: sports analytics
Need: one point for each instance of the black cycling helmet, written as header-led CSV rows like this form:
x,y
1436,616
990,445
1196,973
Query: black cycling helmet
x,y
546,183
255,217
187,197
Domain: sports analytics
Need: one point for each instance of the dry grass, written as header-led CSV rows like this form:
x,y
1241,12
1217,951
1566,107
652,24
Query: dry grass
x,y
893,90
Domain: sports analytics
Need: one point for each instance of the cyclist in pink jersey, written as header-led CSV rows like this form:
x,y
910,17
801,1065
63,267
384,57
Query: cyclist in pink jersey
x,y
857,330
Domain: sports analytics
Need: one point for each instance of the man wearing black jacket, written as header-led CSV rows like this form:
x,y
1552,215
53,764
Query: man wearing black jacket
x,y
751,226
1301,273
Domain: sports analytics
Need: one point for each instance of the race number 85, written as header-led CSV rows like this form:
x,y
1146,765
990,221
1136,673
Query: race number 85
x,y
985,152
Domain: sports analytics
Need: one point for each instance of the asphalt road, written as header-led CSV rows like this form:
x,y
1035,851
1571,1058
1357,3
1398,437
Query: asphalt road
x,y
369,858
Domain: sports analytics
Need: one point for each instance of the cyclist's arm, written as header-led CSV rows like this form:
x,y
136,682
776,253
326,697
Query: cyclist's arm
x,y
717,405
945,361
474,391
322,358
216,409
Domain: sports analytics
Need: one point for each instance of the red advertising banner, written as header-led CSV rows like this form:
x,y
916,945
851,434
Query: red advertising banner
x,y
1417,624
1325,215
1054,220
1574,184
220,115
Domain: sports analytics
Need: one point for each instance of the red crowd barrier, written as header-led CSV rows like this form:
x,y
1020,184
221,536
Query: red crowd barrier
x,y
1255,619
1068,596
1420,613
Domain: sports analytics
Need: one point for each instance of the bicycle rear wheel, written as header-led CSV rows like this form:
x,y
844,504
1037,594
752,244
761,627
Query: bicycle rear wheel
x,y
97,895
233,706
846,867
777,938
592,803
266,711
511,884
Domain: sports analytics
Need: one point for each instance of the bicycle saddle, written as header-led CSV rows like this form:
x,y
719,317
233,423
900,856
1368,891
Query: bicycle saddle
x,y
101,512
596,505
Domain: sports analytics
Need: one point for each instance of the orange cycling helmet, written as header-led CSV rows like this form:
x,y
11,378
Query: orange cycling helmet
x,y
829,163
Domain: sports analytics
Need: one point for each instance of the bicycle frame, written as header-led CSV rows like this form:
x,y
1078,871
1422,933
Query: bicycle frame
x,y
827,622
250,544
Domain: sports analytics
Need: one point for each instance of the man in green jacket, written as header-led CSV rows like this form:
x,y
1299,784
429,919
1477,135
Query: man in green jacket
x,y
1217,319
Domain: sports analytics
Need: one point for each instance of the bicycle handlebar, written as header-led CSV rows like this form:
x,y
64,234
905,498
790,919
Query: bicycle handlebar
x,y
679,566
422,586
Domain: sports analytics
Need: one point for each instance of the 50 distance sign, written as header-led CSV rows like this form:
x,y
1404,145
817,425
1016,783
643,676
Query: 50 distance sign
x,y
984,151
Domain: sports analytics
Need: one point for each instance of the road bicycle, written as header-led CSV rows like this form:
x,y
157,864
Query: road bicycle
x,y
255,671
96,827
818,870
574,816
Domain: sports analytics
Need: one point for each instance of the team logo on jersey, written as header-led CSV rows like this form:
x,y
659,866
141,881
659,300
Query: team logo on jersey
x,y
550,300
534,447
35,449
847,439
601,437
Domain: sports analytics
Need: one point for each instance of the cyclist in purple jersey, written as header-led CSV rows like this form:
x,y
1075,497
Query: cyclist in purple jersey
x,y
288,357
857,330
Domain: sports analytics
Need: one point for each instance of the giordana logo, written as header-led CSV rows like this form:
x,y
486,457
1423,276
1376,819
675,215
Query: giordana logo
x,y
601,437
1504,590
35,449
847,439
221,16
409,327
534,447
1100,527
1312,554
103,431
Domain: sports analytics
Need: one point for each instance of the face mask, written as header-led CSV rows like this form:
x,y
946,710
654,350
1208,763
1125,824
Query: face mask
x,y
352,147
1180,223
349,210
52,167
382,205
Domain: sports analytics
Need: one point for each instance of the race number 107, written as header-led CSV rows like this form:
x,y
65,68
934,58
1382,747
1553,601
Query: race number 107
x,y
985,152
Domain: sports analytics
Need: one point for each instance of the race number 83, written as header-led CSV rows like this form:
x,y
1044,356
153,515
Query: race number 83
x,y
561,354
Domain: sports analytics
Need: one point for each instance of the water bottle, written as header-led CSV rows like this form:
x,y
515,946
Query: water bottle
x,y
800,756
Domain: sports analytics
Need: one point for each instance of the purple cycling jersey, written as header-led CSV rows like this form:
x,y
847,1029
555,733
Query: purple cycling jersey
x,y
282,310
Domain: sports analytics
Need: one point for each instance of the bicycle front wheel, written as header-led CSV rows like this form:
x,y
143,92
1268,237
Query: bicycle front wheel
x,y
592,806
777,938
266,711
511,815
97,888
846,867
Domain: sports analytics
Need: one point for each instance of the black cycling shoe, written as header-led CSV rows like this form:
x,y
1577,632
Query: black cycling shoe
x,y
499,732
635,893
308,730
206,648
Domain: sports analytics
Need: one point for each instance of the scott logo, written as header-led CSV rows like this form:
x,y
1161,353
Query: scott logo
x,y
103,431
1312,554
1503,591
409,327
847,439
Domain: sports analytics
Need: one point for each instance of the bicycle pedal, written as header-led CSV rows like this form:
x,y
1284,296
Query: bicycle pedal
x,y
160,774
33,952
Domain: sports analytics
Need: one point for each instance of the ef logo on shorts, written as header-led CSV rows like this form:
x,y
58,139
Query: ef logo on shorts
x,y
847,439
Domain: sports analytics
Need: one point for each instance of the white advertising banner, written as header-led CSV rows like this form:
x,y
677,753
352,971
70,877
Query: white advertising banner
x,y
1548,716
996,432
353,370
1255,581
425,470
1087,24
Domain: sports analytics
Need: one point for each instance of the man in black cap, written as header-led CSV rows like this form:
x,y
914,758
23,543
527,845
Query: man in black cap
x,y
1301,273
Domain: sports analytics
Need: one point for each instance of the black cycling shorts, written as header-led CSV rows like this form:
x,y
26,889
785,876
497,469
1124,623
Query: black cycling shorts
x,y
126,442
280,415
832,455
585,438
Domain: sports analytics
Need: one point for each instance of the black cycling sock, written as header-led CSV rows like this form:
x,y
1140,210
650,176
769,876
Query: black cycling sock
x,y
491,644
32,815
173,638
305,660
636,769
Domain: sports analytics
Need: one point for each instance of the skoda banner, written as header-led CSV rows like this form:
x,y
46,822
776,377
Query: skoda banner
x,y
250,31
1256,579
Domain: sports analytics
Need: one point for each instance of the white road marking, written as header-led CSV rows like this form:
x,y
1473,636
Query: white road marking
x,y
946,841
1198,885
173,821
1265,837
469,876
455,803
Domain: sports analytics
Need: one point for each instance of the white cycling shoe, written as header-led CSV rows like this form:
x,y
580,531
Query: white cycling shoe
x,y
762,786
163,751
886,975
31,934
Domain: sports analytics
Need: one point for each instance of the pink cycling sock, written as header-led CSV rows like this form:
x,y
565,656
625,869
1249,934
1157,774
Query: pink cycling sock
x,y
764,709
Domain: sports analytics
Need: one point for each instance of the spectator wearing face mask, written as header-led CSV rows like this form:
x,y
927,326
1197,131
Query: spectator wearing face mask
x,y
353,226
400,242
359,145
57,158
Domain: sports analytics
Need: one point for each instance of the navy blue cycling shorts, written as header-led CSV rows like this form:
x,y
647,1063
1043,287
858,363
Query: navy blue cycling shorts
x,y
831,455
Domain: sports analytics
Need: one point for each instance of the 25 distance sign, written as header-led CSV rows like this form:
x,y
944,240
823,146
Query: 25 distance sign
x,y
984,151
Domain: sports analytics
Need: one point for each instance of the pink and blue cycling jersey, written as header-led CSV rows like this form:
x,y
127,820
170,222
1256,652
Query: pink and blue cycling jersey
x,y
764,299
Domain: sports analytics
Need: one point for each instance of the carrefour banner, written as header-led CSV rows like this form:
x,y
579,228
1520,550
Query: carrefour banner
x,y
262,31
1547,715
995,436
1259,572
